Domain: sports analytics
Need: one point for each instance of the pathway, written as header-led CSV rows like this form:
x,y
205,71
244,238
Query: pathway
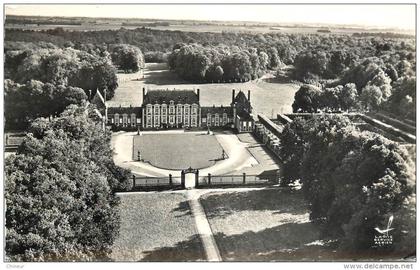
x,y
203,227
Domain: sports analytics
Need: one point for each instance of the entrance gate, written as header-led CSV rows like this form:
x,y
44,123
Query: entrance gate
x,y
187,171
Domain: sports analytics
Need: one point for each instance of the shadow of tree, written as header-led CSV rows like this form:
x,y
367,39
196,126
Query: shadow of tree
x,y
183,208
285,242
163,77
185,251
293,242
275,199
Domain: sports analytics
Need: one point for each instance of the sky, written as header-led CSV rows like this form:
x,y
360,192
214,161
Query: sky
x,y
395,16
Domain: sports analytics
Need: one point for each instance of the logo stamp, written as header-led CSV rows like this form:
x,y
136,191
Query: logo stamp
x,y
384,238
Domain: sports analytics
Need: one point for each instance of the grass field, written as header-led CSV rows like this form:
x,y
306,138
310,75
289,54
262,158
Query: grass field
x,y
178,151
263,225
268,96
156,227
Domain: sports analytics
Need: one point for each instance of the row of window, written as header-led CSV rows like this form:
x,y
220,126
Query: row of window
x,y
246,126
171,120
162,109
124,120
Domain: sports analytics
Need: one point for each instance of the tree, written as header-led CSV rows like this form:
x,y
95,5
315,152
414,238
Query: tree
x,y
402,101
274,60
376,91
60,202
310,65
337,63
307,99
24,103
127,57
349,98
292,150
214,74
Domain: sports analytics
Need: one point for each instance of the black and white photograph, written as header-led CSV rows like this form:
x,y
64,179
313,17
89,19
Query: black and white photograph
x,y
208,132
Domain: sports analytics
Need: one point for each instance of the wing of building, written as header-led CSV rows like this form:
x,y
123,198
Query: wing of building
x,y
171,109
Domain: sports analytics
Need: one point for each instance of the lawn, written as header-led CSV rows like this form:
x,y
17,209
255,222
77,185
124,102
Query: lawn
x,y
268,96
263,225
156,227
178,151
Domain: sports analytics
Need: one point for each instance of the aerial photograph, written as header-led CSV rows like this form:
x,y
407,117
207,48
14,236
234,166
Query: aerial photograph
x,y
209,133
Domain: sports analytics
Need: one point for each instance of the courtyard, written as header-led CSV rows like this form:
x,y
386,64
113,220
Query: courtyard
x,y
177,151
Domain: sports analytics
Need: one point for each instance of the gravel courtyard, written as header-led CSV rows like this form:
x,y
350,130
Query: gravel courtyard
x,y
178,151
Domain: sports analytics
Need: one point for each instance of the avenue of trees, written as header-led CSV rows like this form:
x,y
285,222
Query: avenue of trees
x,y
59,191
354,181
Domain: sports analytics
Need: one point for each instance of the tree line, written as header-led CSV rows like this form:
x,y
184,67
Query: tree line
x,y
221,63
354,181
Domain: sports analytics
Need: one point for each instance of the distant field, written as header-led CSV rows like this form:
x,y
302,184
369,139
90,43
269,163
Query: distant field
x,y
178,151
267,96
157,227
196,28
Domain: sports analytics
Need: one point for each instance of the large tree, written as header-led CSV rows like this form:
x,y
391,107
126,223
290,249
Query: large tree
x,y
307,99
60,202
127,57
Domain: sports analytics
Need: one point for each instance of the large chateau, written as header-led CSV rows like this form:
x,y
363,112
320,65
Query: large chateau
x,y
165,109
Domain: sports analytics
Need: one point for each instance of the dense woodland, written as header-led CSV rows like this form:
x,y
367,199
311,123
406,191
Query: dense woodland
x,y
65,164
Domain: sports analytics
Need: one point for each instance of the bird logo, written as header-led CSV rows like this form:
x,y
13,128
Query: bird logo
x,y
388,228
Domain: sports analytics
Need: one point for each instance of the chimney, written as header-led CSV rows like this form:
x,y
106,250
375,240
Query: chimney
x,y
198,94
233,96
249,96
144,93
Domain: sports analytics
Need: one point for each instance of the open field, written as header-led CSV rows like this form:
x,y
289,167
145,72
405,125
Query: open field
x,y
267,95
156,227
178,151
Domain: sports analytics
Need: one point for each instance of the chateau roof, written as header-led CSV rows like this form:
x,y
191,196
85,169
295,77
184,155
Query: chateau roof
x,y
214,110
241,98
122,110
178,96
